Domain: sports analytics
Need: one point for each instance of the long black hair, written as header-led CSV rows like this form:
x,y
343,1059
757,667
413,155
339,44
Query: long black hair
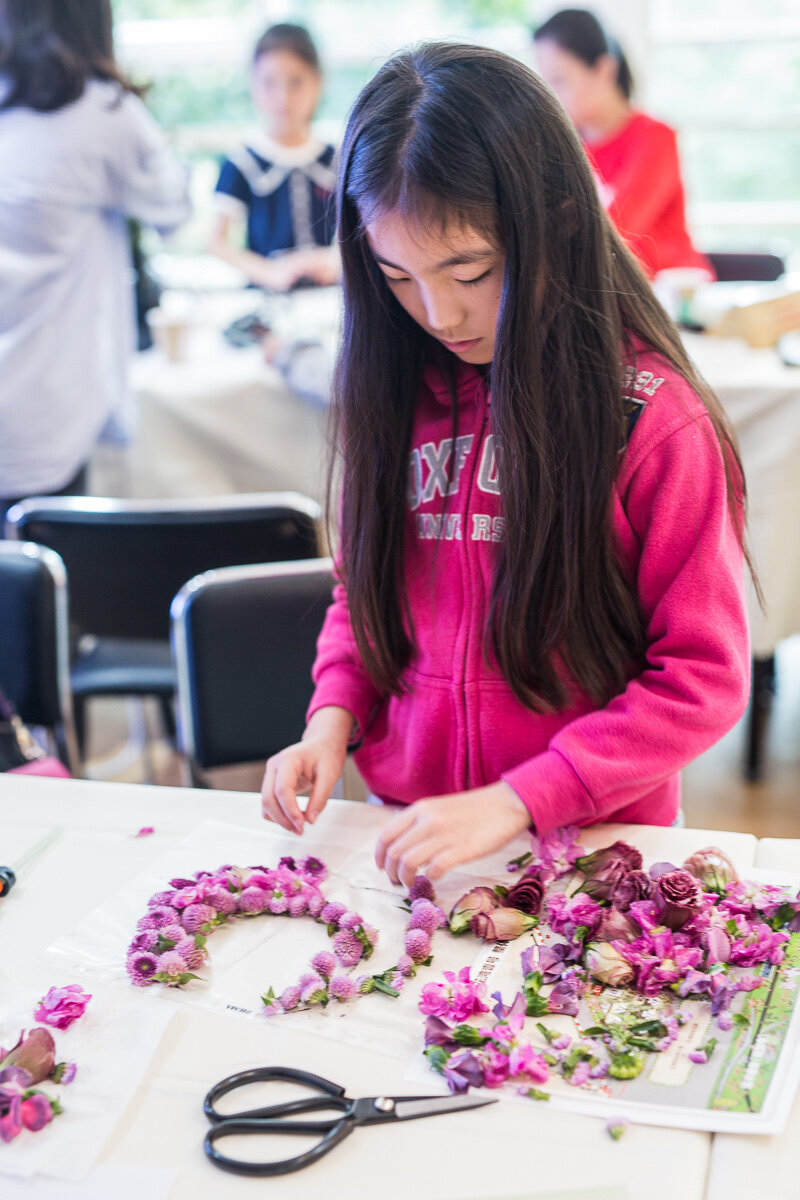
x,y
50,49
581,34
460,135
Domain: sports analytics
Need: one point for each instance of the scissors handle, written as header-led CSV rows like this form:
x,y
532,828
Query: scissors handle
x,y
332,1096
335,1132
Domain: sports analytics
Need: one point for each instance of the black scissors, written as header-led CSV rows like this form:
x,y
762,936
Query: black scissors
x,y
278,1118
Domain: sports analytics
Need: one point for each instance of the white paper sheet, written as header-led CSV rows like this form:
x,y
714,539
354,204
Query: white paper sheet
x,y
123,1183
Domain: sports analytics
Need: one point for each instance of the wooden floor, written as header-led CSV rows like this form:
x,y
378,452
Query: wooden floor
x,y
715,794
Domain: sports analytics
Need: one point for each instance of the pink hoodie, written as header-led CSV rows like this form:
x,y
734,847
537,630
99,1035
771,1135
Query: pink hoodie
x,y
458,725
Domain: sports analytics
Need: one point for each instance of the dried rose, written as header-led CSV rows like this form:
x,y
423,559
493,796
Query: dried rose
x,y
35,1054
615,926
526,895
712,867
604,882
607,965
679,895
478,900
590,864
502,924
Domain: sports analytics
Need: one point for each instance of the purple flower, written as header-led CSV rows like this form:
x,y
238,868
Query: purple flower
x,y
350,920
615,926
661,868
427,916
222,900
635,886
290,998
564,997
195,916
405,965
417,945
555,853
278,903
159,899
314,992
298,906
332,911
347,948
172,964
314,868
34,1053
458,998
193,954
288,862
61,1006
156,917
462,1071
172,933
141,967
549,961
316,902
526,895
342,988
566,914
324,963
679,895
421,889
36,1111
698,1056
64,1073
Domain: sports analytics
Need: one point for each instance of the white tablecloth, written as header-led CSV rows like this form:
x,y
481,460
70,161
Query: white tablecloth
x,y
501,1151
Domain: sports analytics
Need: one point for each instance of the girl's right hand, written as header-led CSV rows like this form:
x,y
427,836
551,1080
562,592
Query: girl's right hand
x,y
313,764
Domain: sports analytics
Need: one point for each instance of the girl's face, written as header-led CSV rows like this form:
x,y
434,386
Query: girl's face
x,y
583,90
285,91
449,282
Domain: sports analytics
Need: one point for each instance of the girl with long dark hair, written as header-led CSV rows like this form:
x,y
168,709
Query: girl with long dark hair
x,y
540,616
79,154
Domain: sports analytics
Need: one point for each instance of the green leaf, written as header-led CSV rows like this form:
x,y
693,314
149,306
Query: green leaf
x,y
199,940
500,891
380,986
742,1019
534,1094
55,1107
595,1031
332,928
269,997
709,1047
581,932
522,861
655,1028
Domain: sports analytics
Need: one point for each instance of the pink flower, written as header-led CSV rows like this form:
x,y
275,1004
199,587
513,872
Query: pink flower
x,y
615,926
566,914
61,1006
324,963
427,916
316,902
421,889
193,954
172,933
418,945
298,906
458,998
278,904
679,896
290,998
141,968
145,831
350,920
478,900
342,988
159,899
347,948
405,965
502,924
36,1111
156,917
332,911
555,852
172,964
196,916
222,900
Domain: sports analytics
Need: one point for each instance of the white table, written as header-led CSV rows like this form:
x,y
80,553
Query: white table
x,y
502,1151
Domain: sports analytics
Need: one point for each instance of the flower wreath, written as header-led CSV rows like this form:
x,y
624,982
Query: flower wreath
x,y
170,944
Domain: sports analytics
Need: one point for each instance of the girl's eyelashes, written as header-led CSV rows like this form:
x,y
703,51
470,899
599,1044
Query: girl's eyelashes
x,y
466,282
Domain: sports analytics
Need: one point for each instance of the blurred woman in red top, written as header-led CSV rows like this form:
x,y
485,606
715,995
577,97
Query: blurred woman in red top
x,y
635,157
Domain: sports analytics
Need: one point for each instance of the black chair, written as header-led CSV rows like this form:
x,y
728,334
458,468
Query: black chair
x,y
244,641
125,561
34,643
730,268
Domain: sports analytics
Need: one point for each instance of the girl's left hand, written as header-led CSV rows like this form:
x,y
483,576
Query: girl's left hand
x,y
435,835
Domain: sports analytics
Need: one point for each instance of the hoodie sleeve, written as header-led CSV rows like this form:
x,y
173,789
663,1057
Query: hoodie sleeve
x,y
694,686
338,673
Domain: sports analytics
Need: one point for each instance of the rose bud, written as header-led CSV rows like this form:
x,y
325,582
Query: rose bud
x,y
713,868
478,900
526,895
591,863
35,1054
615,926
502,924
679,895
603,883
607,965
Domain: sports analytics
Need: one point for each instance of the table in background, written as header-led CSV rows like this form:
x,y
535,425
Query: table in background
x,y
504,1151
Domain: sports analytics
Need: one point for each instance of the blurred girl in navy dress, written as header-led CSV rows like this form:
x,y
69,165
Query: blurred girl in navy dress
x,y
280,183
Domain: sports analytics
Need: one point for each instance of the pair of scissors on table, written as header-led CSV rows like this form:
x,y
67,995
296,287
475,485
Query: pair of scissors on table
x,y
288,1117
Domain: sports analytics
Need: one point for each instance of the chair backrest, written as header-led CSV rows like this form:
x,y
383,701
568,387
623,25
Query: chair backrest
x,y
244,642
34,640
125,560
732,267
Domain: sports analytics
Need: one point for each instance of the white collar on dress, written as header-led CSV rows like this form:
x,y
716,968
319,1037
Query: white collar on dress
x,y
285,156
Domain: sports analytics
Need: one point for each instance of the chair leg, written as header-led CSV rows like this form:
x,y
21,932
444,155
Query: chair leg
x,y
168,718
762,692
80,716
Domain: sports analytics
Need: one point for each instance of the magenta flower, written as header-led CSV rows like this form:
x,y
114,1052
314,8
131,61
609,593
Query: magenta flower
x,y
290,998
159,899
298,906
350,920
61,1006
64,1073
555,853
458,998
172,964
316,902
193,955
196,916
313,868
347,947
332,911
698,1056
405,965
36,1112
145,831
566,914
221,900
278,903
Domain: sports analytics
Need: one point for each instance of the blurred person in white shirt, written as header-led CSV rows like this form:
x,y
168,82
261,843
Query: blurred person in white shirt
x,y
79,155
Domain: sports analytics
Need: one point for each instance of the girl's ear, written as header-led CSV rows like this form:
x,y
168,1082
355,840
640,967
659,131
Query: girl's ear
x,y
607,70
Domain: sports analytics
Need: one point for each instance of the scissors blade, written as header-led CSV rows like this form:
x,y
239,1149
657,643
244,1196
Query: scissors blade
x,y
429,1106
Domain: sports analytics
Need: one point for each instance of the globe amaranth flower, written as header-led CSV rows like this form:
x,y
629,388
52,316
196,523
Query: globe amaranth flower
x,y
405,965
61,1006
159,899
324,963
298,906
347,947
222,900
172,933
350,920
194,955
278,903
172,964
290,998
342,988
315,991
141,968
313,868
156,917
526,895
427,916
316,903
254,900
332,911
421,889
195,916
417,945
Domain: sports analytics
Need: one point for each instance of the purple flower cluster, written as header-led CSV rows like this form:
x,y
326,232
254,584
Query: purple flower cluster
x,y
169,946
26,1065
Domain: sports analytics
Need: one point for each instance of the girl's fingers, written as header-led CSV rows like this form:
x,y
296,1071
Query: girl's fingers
x,y
393,830
413,861
439,864
325,777
290,778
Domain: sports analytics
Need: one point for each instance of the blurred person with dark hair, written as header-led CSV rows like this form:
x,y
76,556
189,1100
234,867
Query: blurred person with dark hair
x,y
280,183
79,155
634,156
